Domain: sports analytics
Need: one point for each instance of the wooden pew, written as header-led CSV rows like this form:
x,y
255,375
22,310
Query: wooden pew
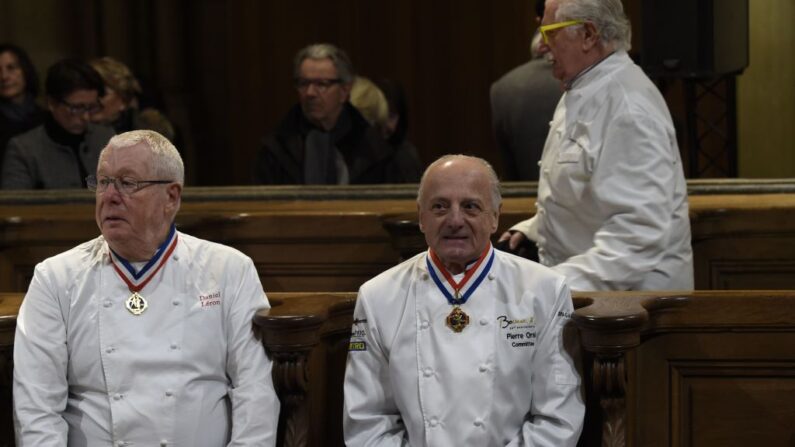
x,y
333,238
696,368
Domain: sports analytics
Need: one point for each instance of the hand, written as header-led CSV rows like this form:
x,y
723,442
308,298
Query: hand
x,y
514,238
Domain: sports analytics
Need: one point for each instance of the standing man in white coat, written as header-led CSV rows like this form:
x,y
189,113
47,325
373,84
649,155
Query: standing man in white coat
x,y
143,335
612,210
462,344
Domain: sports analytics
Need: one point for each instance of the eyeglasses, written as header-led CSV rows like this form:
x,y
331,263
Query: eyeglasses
x,y
124,185
321,85
80,109
546,29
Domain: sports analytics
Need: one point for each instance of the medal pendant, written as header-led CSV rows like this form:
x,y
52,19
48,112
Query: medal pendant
x,y
136,304
457,320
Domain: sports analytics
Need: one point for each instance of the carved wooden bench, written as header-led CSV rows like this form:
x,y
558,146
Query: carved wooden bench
x,y
666,368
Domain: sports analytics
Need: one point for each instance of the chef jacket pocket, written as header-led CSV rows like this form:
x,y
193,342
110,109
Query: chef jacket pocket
x,y
571,171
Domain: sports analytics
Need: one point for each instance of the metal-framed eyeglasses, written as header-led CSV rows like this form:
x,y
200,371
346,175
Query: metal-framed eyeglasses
x,y
81,109
321,85
124,185
549,30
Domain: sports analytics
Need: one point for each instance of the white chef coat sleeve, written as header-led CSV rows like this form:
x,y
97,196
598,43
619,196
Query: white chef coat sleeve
x,y
557,409
370,414
40,363
633,185
255,406
527,227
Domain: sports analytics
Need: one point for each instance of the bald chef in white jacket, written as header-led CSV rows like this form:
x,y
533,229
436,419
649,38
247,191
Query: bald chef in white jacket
x,y
462,344
142,336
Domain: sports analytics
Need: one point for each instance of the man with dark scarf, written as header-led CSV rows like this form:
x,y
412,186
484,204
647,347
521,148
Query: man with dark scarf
x,y
61,152
324,140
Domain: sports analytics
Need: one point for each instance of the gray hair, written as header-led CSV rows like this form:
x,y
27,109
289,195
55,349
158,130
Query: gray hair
x,y
338,57
167,163
494,181
607,16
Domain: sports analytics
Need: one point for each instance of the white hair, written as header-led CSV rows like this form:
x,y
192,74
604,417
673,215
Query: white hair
x,y
607,16
166,161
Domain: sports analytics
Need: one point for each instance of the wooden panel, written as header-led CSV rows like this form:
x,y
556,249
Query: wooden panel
x,y
333,239
715,389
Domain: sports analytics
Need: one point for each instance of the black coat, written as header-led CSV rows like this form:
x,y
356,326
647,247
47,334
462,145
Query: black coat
x,y
369,158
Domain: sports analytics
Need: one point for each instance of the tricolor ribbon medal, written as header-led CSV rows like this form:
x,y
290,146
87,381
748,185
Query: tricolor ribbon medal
x,y
457,320
137,280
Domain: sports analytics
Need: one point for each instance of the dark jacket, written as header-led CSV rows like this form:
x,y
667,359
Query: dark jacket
x,y
34,160
369,158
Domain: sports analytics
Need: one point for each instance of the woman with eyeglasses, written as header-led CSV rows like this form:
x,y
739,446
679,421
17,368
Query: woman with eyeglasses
x,y
62,151
19,86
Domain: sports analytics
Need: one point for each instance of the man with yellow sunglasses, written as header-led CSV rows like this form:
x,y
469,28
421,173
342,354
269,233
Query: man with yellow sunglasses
x,y
611,212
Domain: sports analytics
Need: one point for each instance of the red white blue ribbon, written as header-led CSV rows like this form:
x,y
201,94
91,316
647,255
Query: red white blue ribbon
x,y
137,280
437,269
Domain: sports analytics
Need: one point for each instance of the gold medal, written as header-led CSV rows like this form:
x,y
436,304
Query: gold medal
x,y
136,304
457,320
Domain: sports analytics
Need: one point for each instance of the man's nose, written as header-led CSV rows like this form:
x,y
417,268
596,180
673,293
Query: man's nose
x,y
455,217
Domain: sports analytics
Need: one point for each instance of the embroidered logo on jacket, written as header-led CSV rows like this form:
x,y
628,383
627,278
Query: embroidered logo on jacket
x,y
521,332
358,334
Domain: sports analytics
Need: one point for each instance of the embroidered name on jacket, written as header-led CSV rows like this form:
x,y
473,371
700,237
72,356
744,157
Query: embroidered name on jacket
x,y
520,332
211,299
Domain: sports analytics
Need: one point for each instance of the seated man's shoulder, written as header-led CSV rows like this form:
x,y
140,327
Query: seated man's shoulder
x,y
33,137
70,262
396,278
204,251
519,268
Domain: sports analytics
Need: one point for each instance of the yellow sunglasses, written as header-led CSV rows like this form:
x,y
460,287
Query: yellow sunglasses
x,y
554,26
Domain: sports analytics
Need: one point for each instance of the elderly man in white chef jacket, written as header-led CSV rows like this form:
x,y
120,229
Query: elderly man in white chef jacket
x,y
462,344
612,210
143,335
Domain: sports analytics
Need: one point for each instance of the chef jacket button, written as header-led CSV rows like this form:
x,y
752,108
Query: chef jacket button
x,y
120,443
424,325
424,276
107,303
169,393
478,422
109,349
117,396
427,372
175,302
176,258
484,321
492,276
433,422
163,443
483,368
174,346
539,162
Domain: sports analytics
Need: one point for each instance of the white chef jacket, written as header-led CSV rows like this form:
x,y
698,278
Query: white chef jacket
x,y
612,210
187,372
504,380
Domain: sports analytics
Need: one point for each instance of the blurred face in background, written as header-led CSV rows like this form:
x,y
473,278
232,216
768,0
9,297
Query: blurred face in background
x,y
12,78
113,106
321,93
74,111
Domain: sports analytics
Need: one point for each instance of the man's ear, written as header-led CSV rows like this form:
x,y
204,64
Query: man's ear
x,y
419,219
496,222
346,91
174,193
51,103
591,36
